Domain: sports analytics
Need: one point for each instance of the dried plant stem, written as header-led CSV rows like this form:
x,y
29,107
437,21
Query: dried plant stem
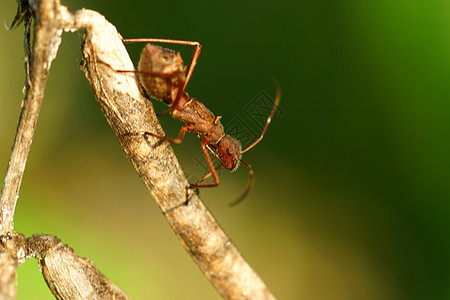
x,y
68,275
46,43
129,112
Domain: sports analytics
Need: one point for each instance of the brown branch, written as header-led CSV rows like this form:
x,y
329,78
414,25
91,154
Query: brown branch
x,y
68,275
46,42
129,112
12,253
8,267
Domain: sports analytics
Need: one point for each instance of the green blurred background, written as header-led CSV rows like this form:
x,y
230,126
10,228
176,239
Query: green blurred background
x,y
352,189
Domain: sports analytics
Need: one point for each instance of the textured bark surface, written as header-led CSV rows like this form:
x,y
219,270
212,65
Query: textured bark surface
x,y
47,38
12,253
68,275
8,269
129,113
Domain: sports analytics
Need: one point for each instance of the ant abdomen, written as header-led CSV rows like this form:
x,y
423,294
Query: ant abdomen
x,y
161,72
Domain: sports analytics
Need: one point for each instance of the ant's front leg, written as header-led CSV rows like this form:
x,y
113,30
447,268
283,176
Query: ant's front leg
x,y
207,175
213,172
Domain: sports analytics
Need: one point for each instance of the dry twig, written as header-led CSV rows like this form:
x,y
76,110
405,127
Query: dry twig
x,y
68,275
128,112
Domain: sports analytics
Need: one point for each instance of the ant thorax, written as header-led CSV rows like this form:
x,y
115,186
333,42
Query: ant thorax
x,y
199,118
161,72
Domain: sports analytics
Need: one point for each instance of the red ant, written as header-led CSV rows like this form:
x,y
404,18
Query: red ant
x,y
163,75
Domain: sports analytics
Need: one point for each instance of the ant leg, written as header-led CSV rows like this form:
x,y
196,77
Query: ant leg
x,y
163,112
211,167
159,74
194,58
177,140
207,175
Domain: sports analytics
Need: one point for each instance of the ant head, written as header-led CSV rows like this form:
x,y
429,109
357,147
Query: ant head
x,y
161,72
229,152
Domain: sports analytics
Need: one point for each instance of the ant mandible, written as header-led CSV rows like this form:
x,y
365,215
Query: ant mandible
x,y
164,76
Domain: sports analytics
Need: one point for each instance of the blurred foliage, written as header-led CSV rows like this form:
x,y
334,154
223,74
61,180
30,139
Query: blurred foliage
x,y
352,189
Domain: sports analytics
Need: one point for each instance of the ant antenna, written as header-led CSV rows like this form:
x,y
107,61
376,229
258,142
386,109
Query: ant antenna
x,y
277,101
248,187
251,178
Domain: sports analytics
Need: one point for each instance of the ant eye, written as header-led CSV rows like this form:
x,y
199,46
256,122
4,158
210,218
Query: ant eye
x,y
231,150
